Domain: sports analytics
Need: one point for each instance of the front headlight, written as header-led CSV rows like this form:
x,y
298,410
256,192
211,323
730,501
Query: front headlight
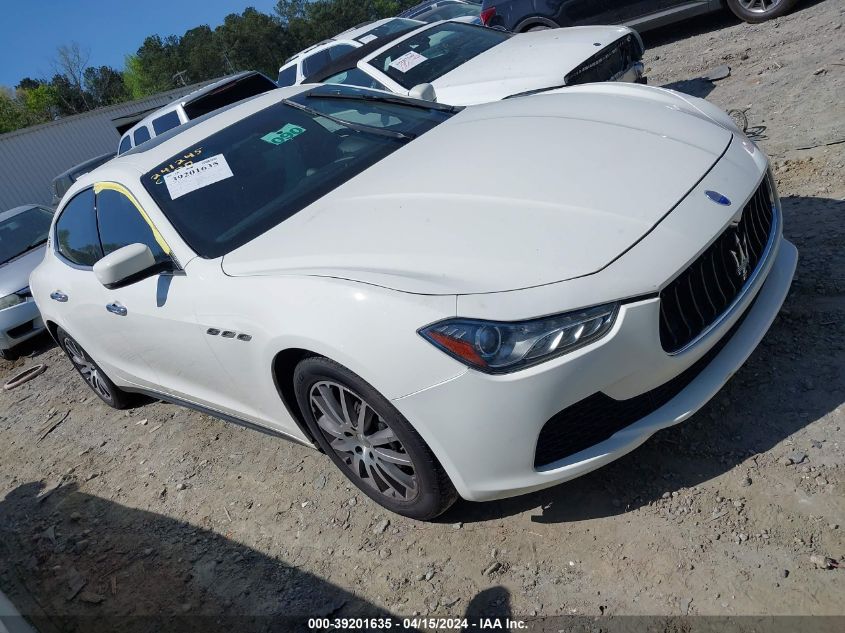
x,y
499,347
10,300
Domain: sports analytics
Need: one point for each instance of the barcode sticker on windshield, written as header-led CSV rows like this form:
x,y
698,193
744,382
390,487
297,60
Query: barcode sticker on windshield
x,y
407,61
196,176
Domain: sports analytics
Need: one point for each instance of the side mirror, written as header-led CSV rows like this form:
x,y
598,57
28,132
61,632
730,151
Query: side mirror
x,y
423,92
126,266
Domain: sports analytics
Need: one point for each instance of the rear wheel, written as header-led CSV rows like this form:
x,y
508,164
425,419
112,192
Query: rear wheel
x,y
91,373
9,354
370,441
755,11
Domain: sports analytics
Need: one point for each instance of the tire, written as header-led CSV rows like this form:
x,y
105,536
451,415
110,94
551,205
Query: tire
x,y
93,376
536,27
756,11
9,354
380,453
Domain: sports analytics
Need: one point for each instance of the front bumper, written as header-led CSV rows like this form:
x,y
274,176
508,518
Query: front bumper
x,y
19,323
484,429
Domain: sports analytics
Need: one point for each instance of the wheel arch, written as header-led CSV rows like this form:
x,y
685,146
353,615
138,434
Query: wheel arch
x,y
535,20
282,368
53,330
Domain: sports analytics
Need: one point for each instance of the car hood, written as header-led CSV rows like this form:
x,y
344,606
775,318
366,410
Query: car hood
x,y
525,62
503,196
14,275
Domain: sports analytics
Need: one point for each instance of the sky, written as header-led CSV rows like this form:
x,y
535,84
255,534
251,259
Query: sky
x,y
32,30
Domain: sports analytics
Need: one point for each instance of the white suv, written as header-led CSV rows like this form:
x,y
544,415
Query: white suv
x,y
314,58
194,105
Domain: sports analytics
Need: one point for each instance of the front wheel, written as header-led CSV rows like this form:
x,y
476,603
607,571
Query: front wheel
x,y
370,441
91,373
755,11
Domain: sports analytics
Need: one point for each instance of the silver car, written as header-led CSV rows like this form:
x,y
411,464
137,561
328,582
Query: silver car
x,y
23,238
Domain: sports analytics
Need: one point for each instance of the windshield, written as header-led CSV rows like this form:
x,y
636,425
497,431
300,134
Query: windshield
x,y
245,179
395,25
23,232
424,57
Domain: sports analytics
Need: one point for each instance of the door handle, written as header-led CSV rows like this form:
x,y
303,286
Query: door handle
x,y
116,308
58,296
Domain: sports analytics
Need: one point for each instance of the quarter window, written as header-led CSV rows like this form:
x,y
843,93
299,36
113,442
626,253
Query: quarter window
x,y
125,145
121,224
76,231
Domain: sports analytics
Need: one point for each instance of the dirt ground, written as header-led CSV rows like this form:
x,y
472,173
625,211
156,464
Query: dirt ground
x,y
164,511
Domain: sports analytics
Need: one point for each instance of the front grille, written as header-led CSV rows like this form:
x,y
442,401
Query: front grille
x,y
706,290
608,63
596,418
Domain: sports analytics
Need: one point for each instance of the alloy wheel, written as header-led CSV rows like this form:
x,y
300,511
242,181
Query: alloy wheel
x,y
759,6
363,440
90,372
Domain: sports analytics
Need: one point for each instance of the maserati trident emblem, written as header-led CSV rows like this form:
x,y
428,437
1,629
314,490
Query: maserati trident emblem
x,y
741,258
718,198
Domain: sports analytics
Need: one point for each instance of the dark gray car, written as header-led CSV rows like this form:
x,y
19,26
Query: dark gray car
x,y
23,238
528,15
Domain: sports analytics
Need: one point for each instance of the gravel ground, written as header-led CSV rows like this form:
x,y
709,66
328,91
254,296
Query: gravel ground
x,y
164,511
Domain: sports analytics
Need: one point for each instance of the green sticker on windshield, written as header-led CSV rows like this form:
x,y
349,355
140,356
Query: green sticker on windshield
x,y
287,133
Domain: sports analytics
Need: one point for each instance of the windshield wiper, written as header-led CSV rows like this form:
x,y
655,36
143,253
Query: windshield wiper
x,y
358,127
411,103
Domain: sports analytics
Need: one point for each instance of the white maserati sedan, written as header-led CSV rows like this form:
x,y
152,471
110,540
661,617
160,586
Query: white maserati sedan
x,y
320,263
464,64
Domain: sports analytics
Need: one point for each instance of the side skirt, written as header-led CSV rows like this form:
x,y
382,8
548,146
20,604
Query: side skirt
x,y
218,414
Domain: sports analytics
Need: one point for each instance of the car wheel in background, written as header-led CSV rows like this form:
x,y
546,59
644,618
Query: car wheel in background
x,y
537,27
370,441
755,11
8,354
96,379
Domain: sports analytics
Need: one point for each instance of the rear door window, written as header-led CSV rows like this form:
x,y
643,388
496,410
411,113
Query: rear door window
x,y
316,62
287,76
141,135
76,231
166,122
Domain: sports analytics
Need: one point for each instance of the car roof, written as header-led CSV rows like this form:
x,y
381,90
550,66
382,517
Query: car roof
x,y
351,59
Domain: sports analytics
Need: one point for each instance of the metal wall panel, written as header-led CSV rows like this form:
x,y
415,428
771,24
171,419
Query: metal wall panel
x,y
32,157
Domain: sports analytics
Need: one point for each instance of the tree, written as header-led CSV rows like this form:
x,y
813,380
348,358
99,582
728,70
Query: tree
x,y
105,86
14,113
71,62
158,60
41,102
201,54
252,41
